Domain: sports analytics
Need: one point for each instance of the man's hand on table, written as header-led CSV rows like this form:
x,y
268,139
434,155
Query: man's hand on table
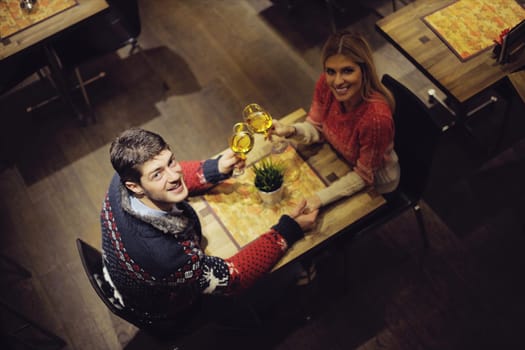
x,y
305,219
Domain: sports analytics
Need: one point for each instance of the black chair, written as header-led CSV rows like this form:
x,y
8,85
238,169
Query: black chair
x,y
92,262
30,66
245,315
417,136
418,132
18,67
115,28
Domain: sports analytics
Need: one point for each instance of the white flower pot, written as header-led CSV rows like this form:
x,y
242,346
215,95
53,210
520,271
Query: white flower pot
x,y
271,198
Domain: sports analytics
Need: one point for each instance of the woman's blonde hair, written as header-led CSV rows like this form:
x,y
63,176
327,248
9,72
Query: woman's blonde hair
x,y
355,47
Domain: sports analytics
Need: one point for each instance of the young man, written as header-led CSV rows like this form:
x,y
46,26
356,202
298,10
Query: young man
x,y
151,236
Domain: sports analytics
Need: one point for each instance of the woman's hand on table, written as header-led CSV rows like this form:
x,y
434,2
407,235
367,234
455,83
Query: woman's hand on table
x,y
305,219
280,129
229,161
312,203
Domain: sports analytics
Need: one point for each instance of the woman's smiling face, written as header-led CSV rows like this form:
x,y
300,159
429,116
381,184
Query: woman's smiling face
x,y
344,77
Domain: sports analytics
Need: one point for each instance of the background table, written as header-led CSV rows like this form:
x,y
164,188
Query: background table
x,y
50,26
459,80
332,219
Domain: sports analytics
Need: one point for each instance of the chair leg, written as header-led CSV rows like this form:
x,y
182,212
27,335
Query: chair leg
x,y
42,104
57,73
503,128
44,74
342,250
82,86
422,230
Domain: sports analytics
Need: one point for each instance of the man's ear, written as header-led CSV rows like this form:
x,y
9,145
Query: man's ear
x,y
134,187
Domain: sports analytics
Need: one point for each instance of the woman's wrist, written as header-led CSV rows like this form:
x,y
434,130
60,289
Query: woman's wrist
x,y
291,131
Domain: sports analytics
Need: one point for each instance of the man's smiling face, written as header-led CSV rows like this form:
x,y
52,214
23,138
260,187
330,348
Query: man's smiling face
x,y
161,184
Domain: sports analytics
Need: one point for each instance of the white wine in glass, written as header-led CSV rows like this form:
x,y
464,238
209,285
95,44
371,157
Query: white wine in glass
x,y
260,121
241,142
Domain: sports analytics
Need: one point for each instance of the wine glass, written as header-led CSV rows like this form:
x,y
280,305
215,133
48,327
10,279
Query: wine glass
x,y
260,121
28,5
241,142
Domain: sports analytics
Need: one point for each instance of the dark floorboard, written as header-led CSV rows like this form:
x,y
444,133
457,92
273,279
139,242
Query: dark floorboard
x,y
466,292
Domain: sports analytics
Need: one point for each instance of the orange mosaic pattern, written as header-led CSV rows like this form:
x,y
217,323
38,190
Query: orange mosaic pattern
x,y
237,205
469,27
14,19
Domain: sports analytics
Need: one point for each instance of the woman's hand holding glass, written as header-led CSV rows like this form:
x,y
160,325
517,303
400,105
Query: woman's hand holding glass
x,y
260,121
241,142
280,129
283,130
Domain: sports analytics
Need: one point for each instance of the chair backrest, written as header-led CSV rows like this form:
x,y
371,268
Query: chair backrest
x,y
92,262
101,34
417,136
14,69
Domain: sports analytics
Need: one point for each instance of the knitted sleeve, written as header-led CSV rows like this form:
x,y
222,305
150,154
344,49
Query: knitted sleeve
x,y
376,136
201,175
242,270
306,133
343,187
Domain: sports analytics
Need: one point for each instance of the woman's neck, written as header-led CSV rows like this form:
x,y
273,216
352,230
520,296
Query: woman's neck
x,y
350,104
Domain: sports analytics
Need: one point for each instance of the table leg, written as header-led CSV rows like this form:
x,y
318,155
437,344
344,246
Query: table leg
x,y
61,82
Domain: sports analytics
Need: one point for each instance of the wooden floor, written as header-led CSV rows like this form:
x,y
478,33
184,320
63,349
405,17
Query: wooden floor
x,y
218,56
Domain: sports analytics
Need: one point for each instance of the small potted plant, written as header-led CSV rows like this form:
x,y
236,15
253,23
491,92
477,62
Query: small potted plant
x,y
269,177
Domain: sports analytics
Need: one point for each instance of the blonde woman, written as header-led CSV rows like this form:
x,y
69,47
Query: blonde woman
x,y
352,111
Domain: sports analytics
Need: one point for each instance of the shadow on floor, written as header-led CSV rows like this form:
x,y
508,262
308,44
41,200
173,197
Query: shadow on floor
x,y
126,96
307,24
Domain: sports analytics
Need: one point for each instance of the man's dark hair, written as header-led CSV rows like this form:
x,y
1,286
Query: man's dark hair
x,y
131,149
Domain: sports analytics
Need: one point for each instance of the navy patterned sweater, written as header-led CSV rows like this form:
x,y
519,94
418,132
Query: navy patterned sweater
x,y
157,265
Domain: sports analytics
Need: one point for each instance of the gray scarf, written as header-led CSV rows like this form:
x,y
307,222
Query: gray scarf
x,y
169,224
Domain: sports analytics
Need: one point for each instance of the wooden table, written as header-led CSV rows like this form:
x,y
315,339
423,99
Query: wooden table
x,y
459,80
41,33
332,219
50,26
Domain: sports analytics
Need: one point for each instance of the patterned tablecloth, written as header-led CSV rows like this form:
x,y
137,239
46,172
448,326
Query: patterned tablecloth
x,y
469,27
237,206
14,19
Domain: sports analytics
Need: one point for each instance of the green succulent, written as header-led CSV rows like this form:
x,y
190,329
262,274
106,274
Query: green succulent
x,y
269,176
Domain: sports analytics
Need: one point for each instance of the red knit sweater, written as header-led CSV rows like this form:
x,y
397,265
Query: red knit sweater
x,y
363,136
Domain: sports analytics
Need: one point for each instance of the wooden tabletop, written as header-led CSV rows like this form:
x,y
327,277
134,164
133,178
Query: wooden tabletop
x,y
332,219
406,30
50,26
